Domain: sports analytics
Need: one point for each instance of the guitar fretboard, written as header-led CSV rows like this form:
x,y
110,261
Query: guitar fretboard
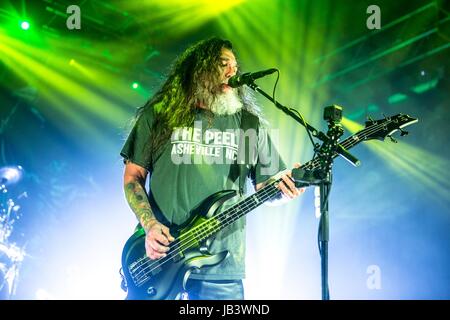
x,y
269,191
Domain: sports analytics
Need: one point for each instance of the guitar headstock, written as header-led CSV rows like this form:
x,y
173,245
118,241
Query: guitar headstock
x,y
380,129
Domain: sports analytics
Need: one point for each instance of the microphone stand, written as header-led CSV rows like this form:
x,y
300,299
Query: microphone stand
x,y
321,176
314,132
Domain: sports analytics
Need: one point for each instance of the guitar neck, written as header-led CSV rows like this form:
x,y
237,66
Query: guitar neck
x,y
269,191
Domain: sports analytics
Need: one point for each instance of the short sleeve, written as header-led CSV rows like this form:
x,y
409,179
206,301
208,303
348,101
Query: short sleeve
x,y
137,146
269,160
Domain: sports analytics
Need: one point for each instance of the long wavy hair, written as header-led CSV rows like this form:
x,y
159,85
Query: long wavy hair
x,y
194,78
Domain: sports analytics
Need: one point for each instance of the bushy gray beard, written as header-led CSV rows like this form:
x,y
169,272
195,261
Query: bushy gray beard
x,y
226,103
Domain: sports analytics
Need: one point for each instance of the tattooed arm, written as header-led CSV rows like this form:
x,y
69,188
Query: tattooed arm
x,y
157,235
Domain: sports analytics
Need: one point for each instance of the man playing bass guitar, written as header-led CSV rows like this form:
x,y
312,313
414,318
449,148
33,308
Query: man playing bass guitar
x,y
186,138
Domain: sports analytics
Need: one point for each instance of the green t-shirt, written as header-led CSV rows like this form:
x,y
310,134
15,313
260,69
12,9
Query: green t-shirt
x,y
194,164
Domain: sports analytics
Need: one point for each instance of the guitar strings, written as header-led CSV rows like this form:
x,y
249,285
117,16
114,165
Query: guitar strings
x,y
191,239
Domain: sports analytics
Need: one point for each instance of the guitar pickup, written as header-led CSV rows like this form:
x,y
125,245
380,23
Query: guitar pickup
x,y
156,270
178,255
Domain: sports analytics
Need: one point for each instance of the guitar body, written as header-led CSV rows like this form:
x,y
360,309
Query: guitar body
x,y
168,277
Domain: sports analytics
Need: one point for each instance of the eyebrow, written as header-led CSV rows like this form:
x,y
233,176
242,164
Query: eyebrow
x,y
227,59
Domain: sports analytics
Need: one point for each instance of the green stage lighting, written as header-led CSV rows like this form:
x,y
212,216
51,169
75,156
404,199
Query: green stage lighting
x,y
25,25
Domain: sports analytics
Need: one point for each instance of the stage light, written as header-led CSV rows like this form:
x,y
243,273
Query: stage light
x,y
10,174
398,97
423,170
178,15
421,88
72,62
61,85
25,25
135,85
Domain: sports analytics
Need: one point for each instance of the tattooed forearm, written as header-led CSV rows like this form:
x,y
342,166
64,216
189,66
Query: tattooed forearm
x,y
138,201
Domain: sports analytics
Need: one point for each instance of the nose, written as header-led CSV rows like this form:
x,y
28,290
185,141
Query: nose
x,y
230,71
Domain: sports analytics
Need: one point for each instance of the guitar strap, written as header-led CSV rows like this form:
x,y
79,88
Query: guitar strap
x,y
242,170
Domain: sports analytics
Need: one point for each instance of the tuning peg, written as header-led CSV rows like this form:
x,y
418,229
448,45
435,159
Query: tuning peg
x,y
369,118
403,132
392,139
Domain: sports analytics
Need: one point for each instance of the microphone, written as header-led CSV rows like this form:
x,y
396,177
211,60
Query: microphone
x,y
249,77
